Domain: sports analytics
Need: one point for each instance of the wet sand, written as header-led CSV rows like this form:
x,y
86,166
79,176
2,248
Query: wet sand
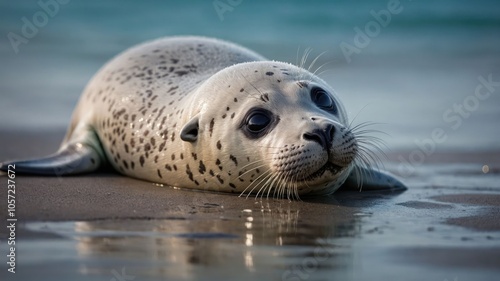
x,y
95,227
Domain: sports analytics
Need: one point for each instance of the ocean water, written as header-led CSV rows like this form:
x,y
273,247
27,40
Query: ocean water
x,y
413,67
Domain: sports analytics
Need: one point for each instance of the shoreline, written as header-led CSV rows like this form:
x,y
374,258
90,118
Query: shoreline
x,y
97,195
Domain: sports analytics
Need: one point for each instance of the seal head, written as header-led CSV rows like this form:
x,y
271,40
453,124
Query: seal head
x,y
274,129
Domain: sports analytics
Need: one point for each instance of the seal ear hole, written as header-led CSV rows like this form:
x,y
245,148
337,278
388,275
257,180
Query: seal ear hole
x,y
190,131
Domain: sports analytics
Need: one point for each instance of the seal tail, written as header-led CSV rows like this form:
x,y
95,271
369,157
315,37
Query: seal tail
x,y
76,158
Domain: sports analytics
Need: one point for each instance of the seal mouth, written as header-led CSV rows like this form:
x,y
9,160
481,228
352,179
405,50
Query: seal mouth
x,y
332,168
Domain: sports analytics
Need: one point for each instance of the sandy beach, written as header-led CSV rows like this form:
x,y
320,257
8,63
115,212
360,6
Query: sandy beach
x,y
99,225
424,76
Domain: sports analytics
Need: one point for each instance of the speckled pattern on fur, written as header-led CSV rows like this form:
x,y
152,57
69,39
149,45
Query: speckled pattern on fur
x,y
201,113
139,102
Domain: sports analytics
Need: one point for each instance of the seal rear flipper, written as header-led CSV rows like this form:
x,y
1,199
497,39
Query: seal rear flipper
x,y
368,179
72,159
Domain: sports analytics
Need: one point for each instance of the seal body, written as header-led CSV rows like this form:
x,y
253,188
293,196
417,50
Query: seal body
x,y
139,102
202,113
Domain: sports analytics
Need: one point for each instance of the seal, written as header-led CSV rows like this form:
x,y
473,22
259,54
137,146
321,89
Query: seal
x,y
202,113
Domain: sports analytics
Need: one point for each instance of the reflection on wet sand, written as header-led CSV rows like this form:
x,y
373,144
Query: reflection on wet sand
x,y
443,232
282,240
433,231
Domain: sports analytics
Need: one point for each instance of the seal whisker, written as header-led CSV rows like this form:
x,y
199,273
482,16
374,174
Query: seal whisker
x,y
276,181
349,126
361,126
295,187
272,186
314,62
371,158
291,187
374,144
270,147
369,151
303,61
257,181
253,86
249,170
297,56
277,189
283,188
305,55
253,168
368,132
289,193
368,144
307,185
364,149
265,181
359,173
300,63
320,73
317,71
270,183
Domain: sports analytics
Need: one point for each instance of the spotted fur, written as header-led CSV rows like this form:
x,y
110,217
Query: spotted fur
x,y
175,111
135,102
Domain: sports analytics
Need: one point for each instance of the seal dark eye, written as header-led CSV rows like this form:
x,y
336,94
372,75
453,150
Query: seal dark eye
x,y
323,100
258,122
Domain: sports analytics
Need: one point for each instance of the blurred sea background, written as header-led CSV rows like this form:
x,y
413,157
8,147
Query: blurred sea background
x,y
412,75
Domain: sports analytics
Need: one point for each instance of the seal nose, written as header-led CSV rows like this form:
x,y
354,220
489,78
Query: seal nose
x,y
323,137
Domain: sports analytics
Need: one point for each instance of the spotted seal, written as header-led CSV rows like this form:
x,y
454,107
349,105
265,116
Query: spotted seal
x,y
202,113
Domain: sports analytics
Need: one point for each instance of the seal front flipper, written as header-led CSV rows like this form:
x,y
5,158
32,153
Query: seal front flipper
x,y
368,179
73,159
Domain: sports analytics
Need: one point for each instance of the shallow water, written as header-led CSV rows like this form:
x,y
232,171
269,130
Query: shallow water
x,y
422,233
427,59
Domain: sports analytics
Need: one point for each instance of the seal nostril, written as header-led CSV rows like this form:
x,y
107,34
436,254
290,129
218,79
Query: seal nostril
x,y
330,132
316,137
